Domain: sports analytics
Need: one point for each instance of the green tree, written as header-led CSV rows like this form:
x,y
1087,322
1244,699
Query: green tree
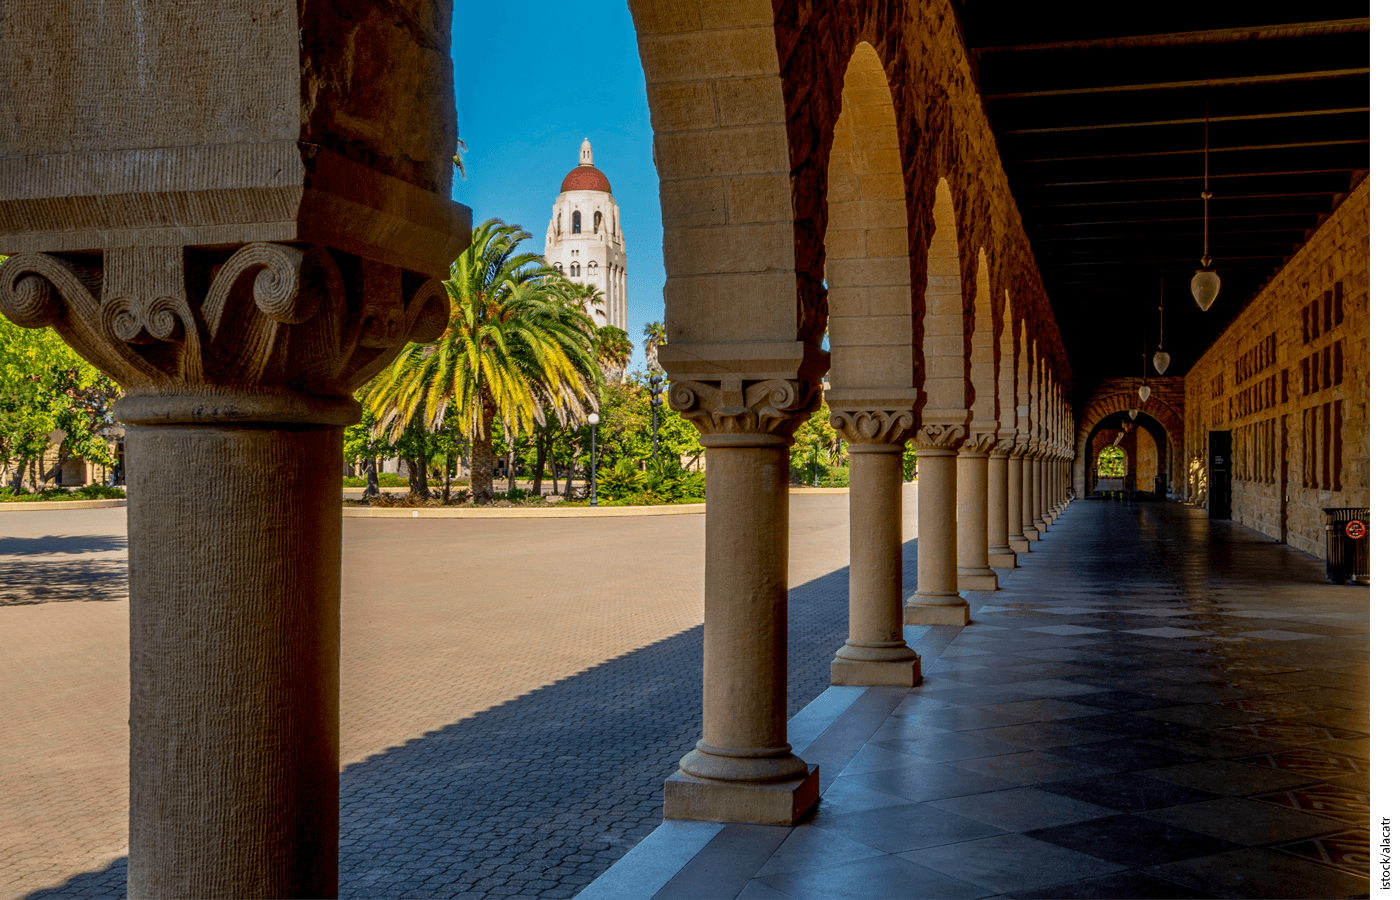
x,y
517,347
46,387
655,336
614,351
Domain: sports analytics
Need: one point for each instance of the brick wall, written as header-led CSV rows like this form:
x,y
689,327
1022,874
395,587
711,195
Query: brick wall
x,y
1290,380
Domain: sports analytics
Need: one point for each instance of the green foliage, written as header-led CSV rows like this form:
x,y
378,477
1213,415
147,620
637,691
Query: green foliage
x,y
621,480
1112,462
386,479
45,386
87,492
665,482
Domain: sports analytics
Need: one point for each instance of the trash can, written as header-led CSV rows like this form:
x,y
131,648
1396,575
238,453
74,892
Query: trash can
x,y
1348,544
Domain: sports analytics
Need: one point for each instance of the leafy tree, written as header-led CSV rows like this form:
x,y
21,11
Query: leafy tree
x,y
517,347
655,336
45,386
614,352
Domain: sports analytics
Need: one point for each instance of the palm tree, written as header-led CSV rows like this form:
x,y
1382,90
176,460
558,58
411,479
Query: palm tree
x,y
614,352
517,346
656,336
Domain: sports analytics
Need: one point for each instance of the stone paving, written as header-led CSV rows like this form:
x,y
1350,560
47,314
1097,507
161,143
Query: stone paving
x,y
1156,705
510,737
514,693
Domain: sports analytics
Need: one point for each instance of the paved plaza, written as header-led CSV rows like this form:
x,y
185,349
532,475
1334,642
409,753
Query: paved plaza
x,y
1156,705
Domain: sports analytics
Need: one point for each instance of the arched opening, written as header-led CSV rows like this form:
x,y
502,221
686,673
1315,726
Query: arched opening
x,y
867,244
574,269
1110,466
945,335
984,353
1146,464
597,220
578,222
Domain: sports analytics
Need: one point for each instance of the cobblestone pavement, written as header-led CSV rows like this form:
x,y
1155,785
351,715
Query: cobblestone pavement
x,y
514,693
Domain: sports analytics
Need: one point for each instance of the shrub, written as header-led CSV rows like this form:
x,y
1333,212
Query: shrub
x,y
386,479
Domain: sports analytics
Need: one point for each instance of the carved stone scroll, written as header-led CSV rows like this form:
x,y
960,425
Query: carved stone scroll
x,y
873,426
735,411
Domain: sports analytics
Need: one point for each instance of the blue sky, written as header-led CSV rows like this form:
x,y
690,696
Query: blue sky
x,y
530,88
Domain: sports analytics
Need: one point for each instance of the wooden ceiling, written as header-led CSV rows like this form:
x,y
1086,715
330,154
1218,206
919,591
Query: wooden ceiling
x,y
1100,116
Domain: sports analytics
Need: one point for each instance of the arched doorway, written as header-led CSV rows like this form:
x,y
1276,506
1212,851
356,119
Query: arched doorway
x,y
1146,461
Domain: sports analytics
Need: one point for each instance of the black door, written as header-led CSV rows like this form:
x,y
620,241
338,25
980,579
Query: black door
x,y
1219,504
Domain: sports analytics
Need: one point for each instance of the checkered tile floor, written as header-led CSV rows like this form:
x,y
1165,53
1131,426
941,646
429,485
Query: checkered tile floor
x,y
1155,705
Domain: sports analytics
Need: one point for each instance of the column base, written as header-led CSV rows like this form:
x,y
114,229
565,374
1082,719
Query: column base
x,y
1001,559
1019,544
876,672
1032,533
923,610
1042,526
977,580
757,803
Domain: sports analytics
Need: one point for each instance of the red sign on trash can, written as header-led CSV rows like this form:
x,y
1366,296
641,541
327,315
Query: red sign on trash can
x,y
1356,529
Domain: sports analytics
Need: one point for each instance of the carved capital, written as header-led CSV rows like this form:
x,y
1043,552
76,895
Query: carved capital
x,y
935,436
980,442
873,426
263,333
1003,446
735,412
1018,449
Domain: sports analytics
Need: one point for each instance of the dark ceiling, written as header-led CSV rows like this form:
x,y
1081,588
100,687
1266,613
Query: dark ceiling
x,y
1099,113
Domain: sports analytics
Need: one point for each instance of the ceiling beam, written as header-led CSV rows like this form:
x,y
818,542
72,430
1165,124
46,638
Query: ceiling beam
x,y
1199,120
1184,199
1197,151
1235,81
1166,259
1188,38
1027,183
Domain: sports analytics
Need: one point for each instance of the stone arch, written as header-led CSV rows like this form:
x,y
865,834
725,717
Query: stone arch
x,y
1146,444
945,334
1008,335
870,315
1171,442
983,351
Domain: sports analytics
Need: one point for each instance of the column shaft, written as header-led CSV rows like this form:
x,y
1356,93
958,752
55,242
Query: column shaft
x,y
937,601
1028,529
235,654
999,552
876,653
1015,539
974,574
743,769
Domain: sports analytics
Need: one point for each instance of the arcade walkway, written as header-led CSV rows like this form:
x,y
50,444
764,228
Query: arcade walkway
x,y
1156,705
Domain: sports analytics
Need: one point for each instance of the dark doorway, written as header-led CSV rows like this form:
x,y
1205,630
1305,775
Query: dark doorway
x,y
1219,504
1283,479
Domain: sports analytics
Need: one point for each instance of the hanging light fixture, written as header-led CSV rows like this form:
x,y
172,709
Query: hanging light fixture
x,y
1132,413
1144,392
1206,284
1161,359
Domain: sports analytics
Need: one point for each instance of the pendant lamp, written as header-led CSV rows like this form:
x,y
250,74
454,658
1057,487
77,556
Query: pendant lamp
x,y
1206,284
1161,359
1132,413
1144,392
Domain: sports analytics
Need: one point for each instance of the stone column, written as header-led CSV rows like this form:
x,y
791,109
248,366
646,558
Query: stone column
x,y
1015,538
974,573
999,553
875,652
937,601
231,374
1028,462
742,769
1038,519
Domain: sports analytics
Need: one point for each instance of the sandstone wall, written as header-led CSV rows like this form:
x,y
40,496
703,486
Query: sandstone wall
x,y
1290,380
1166,404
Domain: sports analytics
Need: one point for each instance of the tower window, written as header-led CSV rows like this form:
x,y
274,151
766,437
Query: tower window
x,y
578,222
574,269
597,220
592,267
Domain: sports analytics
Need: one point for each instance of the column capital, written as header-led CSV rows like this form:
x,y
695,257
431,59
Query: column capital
x,y
1003,446
873,427
1018,449
735,412
265,333
939,437
979,443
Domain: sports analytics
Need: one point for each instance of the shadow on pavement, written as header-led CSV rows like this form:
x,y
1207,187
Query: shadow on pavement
x,y
537,796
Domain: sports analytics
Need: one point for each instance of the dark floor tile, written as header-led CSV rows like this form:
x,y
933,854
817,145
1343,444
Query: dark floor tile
x,y
933,781
1254,872
883,876
969,718
1043,710
1041,734
808,847
1348,850
1242,821
1134,726
1200,715
1009,862
1311,762
961,694
1126,792
722,868
1132,841
987,677
1022,809
1334,801
1215,744
1123,701
1112,887
1124,754
1227,777
1031,767
899,828
949,746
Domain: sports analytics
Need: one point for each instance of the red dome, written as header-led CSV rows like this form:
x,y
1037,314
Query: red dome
x,y
586,178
